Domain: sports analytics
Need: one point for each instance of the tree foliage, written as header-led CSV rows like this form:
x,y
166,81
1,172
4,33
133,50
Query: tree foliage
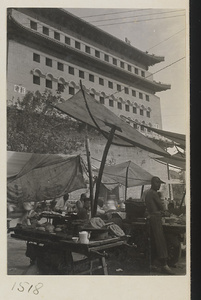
x,y
33,125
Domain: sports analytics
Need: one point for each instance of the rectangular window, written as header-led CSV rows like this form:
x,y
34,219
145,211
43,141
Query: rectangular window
x,y
143,73
102,100
148,114
119,87
77,45
57,36
140,95
126,90
119,105
91,77
48,83
92,95
36,57
129,68
45,30
87,49
141,112
110,84
135,125
101,81
97,53
36,79
136,71
134,109
111,102
114,60
48,62
142,127
127,108
133,93
60,87
71,90
147,97
106,57
60,66
33,25
71,70
67,40
122,64
81,74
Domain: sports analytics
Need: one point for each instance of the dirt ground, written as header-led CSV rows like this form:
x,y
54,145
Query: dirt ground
x,y
117,262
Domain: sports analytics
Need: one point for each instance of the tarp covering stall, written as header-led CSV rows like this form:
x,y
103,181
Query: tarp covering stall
x,y
175,160
77,108
38,177
127,173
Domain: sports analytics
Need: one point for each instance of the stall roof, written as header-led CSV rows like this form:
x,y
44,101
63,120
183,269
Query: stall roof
x,y
38,177
175,160
82,110
127,173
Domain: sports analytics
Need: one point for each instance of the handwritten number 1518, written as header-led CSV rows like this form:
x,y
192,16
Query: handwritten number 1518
x,y
27,287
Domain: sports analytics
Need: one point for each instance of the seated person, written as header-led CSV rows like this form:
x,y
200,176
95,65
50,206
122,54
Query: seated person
x,y
81,211
100,211
62,204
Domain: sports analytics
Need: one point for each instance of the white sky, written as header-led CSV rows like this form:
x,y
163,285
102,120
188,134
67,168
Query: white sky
x,y
170,34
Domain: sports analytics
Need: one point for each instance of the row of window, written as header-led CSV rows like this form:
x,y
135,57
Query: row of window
x,y
97,53
60,87
91,77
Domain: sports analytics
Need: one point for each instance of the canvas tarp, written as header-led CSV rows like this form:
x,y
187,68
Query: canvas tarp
x,y
127,173
175,160
43,176
77,108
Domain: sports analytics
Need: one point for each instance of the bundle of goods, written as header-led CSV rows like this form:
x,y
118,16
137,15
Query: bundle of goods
x,y
134,209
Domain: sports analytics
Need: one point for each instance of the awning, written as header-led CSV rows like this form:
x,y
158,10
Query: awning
x,y
77,108
38,177
128,174
175,160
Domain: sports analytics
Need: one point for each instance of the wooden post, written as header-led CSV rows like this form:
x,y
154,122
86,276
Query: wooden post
x,y
142,190
90,173
126,183
168,171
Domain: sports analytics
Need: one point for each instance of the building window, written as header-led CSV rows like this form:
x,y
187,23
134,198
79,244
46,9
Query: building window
x,y
147,97
87,49
136,71
106,57
97,53
36,57
111,102
119,105
33,25
81,74
119,87
57,36
101,81
133,93
141,112
36,79
129,68
48,62
91,77
60,87
114,60
148,114
143,73
71,90
135,125
67,40
102,100
71,70
110,84
134,109
60,66
140,95
77,45
45,30
122,64
126,90
127,108
48,83
142,127
92,95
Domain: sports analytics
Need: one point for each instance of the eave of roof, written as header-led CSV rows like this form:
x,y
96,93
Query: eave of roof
x,y
14,26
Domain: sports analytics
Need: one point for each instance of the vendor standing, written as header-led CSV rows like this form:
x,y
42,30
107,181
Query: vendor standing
x,y
155,209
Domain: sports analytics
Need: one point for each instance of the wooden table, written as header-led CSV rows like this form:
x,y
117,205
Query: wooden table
x,y
95,250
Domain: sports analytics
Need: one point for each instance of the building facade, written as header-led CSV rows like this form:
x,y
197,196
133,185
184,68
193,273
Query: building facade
x,y
53,49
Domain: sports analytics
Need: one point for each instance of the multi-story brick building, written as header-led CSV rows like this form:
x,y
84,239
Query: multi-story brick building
x,y
49,48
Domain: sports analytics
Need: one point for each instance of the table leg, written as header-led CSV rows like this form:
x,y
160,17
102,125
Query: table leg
x,y
104,265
